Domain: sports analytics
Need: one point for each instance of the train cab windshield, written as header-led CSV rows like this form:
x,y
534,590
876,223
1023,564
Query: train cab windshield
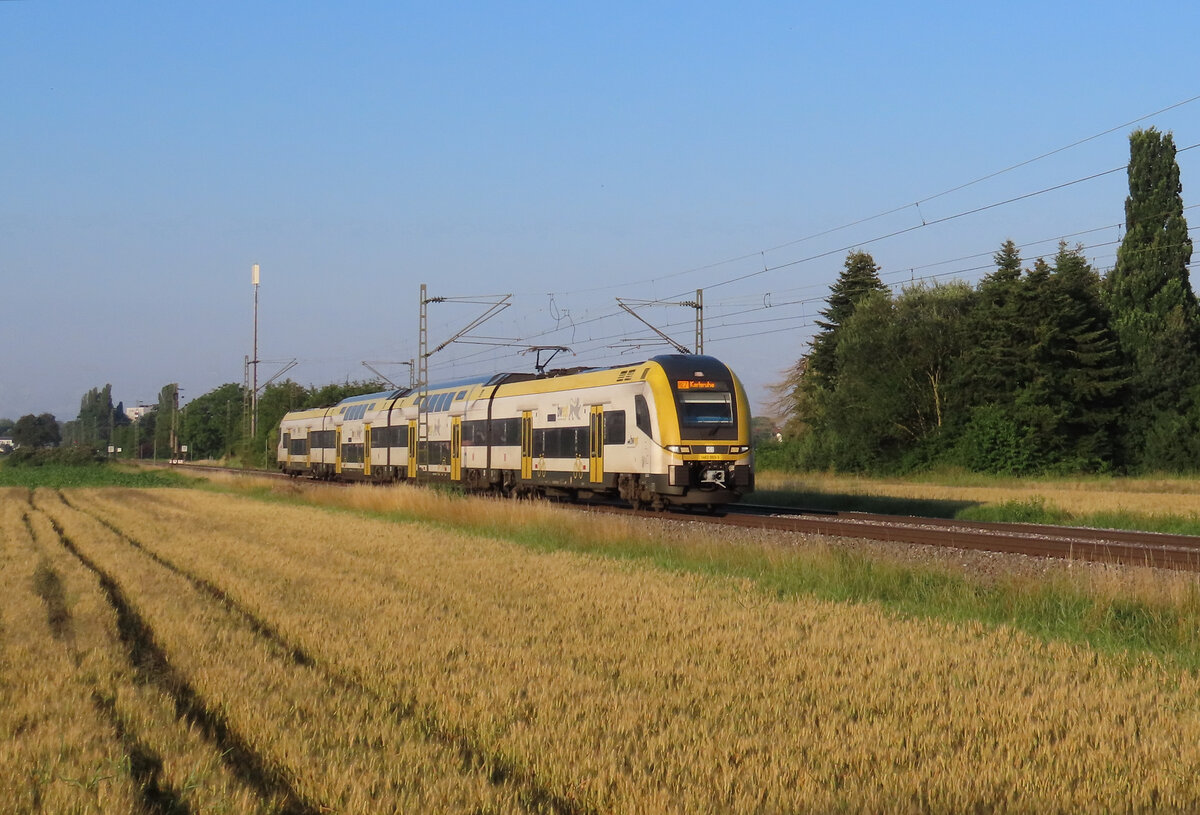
x,y
705,409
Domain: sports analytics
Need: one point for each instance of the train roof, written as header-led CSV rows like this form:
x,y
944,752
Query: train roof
x,y
372,397
681,364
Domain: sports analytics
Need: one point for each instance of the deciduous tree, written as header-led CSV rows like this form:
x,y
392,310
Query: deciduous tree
x,y
36,431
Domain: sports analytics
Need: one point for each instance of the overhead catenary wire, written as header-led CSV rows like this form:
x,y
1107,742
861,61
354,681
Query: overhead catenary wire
x,y
585,319
599,346
901,207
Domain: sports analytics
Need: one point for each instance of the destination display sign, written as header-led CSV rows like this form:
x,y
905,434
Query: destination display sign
x,y
695,385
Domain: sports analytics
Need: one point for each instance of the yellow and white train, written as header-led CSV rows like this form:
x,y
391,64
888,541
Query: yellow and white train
x,y
673,430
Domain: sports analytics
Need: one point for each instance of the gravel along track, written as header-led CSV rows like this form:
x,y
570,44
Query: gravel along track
x,y
1181,552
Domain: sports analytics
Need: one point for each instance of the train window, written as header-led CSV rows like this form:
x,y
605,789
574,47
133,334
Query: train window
x,y
434,452
560,442
706,409
506,432
474,433
641,414
614,427
385,436
461,395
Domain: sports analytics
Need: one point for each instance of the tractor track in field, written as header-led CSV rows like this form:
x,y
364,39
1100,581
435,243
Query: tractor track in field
x,y
498,770
145,765
150,664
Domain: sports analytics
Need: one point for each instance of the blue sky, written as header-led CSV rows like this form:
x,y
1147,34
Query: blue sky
x,y
566,153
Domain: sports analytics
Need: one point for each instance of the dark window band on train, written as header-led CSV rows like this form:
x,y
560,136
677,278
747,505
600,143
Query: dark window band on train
x,y
298,447
395,436
434,452
614,427
560,442
505,433
641,412
352,453
437,402
321,439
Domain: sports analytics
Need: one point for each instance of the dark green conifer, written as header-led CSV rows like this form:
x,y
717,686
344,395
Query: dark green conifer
x,y
859,277
1154,310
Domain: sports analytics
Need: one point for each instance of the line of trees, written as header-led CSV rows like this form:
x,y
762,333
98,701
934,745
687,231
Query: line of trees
x,y
1050,368
214,425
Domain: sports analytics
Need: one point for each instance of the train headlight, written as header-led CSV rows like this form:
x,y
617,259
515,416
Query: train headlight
x,y
678,448
735,449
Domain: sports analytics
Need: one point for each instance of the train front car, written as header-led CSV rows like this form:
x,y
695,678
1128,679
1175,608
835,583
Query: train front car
x,y
703,454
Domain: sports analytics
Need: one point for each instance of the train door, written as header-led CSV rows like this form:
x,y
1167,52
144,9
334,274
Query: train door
x,y
337,451
456,448
527,445
366,450
596,445
412,448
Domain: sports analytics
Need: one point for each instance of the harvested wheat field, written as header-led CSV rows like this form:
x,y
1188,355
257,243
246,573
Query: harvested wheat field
x,y
1147,496
179,650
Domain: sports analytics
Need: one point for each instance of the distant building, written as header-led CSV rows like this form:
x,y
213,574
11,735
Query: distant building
x,y
135,413
6,443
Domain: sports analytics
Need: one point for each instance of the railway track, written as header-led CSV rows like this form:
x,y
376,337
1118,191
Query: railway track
x,y
1123,547
1163,551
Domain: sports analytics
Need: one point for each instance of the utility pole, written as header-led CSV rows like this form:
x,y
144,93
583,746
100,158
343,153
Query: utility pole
x,y
496,303
254,361
175,421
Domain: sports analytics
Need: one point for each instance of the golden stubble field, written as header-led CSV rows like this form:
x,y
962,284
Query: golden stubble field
x,y
1178,497
178,648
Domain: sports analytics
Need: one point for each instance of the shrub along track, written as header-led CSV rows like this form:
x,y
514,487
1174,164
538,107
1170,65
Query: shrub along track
x,y
158,604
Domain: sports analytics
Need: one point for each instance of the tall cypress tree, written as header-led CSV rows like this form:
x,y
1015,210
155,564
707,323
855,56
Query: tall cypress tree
x,y
96,415
1155,313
